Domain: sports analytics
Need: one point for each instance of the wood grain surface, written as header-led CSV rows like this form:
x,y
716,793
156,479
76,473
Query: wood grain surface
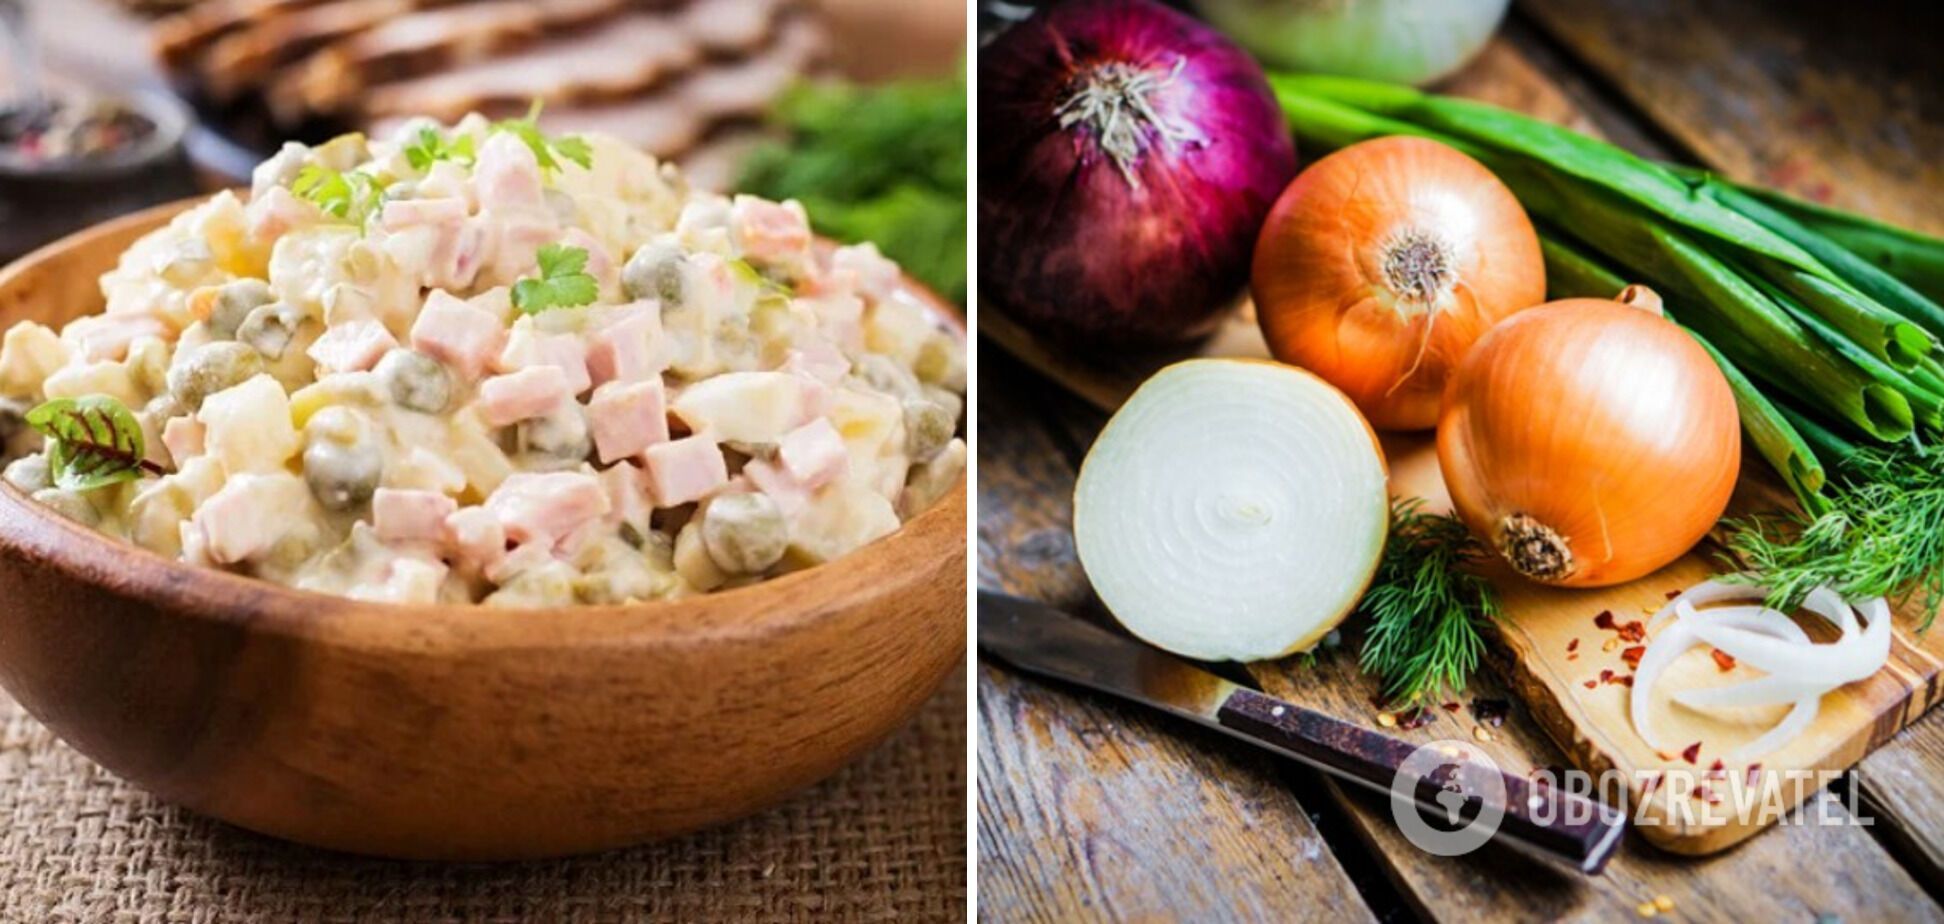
x,y
455,732
1082,800
1836,102
1859,873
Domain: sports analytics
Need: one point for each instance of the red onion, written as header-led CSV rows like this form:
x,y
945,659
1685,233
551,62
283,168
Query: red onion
x,y
1128,155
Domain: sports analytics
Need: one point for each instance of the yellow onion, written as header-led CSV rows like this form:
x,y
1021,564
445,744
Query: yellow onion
x,y
1590,442
1383,262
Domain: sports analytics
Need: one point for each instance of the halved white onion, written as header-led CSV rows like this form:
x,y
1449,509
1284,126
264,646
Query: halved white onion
x,y
1232,510
1798,670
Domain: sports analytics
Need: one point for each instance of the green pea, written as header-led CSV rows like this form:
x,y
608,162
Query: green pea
x,y
655,271
928,427
234,302
211,368
415,381
343,462
744,533
270,328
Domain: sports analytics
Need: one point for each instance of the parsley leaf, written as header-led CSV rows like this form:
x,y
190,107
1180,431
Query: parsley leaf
x,y
92,442
430,147
563,281
351,196
549,152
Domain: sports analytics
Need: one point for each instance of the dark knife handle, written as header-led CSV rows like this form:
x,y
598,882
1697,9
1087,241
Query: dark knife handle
x,y
1579,830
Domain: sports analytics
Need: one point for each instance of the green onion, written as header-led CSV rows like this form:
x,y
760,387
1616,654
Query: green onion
x,y
1866,276
1913,258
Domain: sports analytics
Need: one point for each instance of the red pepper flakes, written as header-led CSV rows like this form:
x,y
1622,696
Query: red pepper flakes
x,y
1573,645
1723,659
1626,681
1604,620
1633,631
1703,792
1452,707
1692,752
1653,783
1673,593
1590,684
1415,718
1718,771
1606,675
1572,656
1631,657
1754,774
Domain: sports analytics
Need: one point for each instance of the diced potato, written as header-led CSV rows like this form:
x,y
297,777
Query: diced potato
x,y
753,407
28,355
898,327
102,378
838,519
249,427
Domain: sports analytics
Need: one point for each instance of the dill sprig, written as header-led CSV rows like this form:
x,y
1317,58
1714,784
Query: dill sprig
x,y
1883,536
1426,606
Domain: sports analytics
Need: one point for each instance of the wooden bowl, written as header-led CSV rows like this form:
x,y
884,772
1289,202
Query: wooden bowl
x,y
450,732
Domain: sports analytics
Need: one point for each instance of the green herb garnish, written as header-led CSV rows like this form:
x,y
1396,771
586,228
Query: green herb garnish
x,y
430,147
884,164
1883,536
548,151
563,281
92,442
1426,606
348,195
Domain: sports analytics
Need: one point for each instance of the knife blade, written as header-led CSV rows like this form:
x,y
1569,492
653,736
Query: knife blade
x,y
1540,820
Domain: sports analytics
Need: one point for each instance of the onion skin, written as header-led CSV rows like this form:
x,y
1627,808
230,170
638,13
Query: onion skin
x,y
1090,255
1343,286
1590,442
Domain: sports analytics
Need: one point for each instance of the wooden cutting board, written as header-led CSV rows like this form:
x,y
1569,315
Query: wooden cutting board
x,y
1552,648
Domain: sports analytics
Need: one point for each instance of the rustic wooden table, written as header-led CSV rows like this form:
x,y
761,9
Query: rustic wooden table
x,y
1090,809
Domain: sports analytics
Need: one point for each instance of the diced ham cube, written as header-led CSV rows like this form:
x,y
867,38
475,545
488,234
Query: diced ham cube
x,y
249,516
507,175
629,348
599,264
813,454
684,470
106,337
183,438
475,539
626,418
462,336
545,506
406,213
629,500
353,346
770,232
768,477
535,391
410,516
275,211
863,269
527,348
818,359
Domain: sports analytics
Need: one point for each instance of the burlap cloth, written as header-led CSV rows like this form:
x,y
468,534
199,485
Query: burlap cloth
x,y
883,840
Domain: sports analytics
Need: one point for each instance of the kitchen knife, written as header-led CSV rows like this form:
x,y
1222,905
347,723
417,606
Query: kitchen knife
x,y
1538,819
